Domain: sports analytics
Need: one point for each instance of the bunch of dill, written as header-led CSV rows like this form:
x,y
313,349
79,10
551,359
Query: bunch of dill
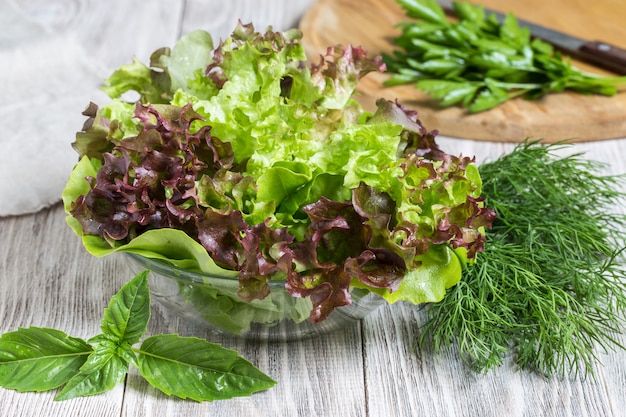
x,y
550,286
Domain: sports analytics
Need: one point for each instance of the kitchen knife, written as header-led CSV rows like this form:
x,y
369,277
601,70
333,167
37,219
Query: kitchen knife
x,y
595,52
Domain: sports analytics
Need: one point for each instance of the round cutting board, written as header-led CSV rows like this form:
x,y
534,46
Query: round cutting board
x,y
556,117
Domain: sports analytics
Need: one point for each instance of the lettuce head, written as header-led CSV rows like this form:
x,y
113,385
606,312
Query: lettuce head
x,y
244,160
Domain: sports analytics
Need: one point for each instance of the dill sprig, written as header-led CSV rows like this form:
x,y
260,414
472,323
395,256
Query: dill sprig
x,y
550,286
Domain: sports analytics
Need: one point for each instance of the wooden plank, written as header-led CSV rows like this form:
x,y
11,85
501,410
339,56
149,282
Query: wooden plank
x,y
48,280
401,383
371,24
322,376
16,404
613,377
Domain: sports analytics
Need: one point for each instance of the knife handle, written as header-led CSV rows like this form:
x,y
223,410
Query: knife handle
x,y
605,55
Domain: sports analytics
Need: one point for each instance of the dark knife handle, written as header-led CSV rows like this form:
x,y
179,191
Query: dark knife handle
x,y
605,55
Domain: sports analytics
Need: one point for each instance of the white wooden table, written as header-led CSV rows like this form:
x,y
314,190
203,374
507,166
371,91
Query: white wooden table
x,y
47,278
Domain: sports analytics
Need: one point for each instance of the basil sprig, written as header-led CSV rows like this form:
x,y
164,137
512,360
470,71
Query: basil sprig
x,y
42,359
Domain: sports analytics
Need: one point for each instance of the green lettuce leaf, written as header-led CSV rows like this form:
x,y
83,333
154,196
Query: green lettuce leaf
x,y
191,55
441,269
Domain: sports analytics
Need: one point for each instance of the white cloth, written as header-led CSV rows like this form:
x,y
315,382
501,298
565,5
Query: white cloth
x,y
46,81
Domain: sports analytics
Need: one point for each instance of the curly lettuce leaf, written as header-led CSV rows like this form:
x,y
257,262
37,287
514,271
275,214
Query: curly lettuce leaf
x,y
138,77
186,61
169,70
337,77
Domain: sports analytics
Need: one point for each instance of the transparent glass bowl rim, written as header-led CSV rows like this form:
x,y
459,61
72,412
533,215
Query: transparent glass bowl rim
x,y
162,267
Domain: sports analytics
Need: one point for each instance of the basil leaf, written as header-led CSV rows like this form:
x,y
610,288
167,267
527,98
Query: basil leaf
x,y
39,359
103,369
126,317
188,367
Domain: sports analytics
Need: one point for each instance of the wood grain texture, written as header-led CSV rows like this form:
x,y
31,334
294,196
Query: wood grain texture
x,y
371,370
371,24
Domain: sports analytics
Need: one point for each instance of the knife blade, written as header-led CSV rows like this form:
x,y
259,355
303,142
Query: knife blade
x,y
596,52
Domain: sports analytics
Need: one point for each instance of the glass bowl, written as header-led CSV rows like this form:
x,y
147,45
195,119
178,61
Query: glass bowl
x,y
212,302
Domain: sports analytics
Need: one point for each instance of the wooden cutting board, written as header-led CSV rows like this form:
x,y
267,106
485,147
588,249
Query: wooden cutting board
x,y
556,117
